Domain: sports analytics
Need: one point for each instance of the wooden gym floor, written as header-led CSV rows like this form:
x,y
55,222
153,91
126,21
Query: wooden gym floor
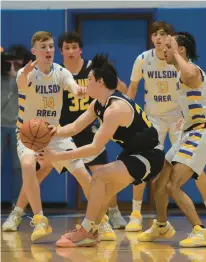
x,y
17,247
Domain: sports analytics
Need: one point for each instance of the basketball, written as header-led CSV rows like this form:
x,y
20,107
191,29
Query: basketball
x,y
35,134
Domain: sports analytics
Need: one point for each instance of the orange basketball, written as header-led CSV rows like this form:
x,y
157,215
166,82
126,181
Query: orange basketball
x,y
34,134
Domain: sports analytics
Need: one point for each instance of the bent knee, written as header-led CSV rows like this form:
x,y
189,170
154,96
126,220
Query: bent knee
x,y
172,187
98,176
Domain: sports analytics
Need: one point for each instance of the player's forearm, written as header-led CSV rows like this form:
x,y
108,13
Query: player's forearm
x,y
67,131
81,152
132,91
74,89
22,81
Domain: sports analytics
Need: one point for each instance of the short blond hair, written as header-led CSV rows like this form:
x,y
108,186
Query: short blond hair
x,y
41,36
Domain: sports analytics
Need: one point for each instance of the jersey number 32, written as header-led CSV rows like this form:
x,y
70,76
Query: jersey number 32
x,y
78,104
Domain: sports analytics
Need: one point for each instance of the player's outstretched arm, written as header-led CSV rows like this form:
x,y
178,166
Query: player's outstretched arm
x,y
70,84
78,91
81,123
22,75
112,120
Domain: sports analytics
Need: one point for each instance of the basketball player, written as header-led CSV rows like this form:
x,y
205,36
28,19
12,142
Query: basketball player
x,y
40,86
125,123
70,45
186,158
161,103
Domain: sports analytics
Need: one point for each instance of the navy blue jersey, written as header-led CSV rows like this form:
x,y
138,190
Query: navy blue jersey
x,y
140,136
73,107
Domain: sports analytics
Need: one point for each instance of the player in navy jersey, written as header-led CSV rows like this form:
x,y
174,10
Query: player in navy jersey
x,y
125,123
70,45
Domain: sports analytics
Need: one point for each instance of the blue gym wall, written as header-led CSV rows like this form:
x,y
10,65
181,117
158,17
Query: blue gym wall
x,y
19,25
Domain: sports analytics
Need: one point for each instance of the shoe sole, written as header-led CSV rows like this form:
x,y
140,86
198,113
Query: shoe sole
x,y
158,238
41,237
133,230
79,244
108,239
193,245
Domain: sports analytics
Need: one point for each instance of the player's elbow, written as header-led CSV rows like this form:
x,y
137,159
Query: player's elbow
x,y
191,74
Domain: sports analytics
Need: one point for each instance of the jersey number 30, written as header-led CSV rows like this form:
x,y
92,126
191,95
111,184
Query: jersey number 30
x,y
78,104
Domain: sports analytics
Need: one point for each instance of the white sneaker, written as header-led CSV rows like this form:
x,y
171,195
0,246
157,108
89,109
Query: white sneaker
x,y
106,233
116,220
13,221
196,239
155,232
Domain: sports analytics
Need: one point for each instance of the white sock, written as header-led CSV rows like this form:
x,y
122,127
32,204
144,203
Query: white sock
x,y
205,203
114,209
136,205
18,210
88,224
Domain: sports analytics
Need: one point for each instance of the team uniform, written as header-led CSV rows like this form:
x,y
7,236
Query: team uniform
x,y
73,108
161,102
43,99
190,148
139,140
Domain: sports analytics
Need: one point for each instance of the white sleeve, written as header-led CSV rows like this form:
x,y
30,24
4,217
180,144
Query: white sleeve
x,y
68,81
137,75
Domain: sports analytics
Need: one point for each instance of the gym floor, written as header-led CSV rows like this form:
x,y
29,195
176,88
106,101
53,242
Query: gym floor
x,y
16,246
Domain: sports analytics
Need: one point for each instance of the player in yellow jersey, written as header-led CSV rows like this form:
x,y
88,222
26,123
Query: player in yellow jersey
x,y
40,86
186,158
161,103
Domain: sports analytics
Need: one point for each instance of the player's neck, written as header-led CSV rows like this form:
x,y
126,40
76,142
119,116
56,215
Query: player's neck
x,y
46,69
159,54
105,95
74,66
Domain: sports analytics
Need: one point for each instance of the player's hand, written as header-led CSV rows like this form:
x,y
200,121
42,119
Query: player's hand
x,y
172,43
47,155
53,130
30,66
82,91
